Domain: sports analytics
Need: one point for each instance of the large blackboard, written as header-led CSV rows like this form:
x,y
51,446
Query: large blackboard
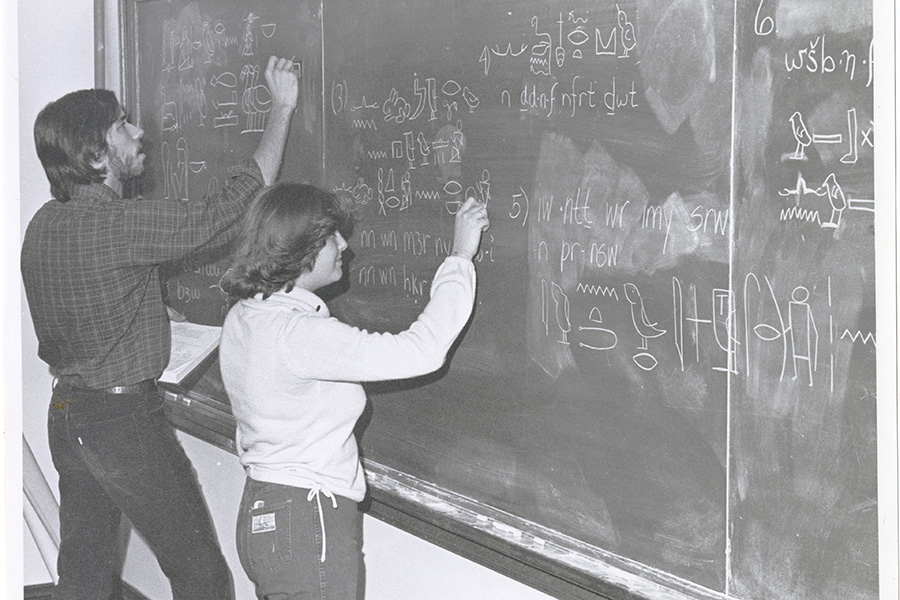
x,y
671,365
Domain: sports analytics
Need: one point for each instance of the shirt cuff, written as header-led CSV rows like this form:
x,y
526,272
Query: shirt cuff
x,y
454,268
453,259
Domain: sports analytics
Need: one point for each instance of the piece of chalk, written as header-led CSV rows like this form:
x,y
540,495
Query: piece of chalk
x,y
507,529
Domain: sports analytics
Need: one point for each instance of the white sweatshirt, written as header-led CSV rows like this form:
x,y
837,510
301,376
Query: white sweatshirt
x,y
292,373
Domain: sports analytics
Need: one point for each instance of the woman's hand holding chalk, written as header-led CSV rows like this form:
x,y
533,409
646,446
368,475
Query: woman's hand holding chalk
x,y
471,220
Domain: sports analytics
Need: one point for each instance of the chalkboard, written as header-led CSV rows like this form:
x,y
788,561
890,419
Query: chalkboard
x,y
202,101
599,137
671,364
803,404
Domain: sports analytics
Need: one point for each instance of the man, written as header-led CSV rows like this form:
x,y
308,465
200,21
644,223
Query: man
x,y
90,267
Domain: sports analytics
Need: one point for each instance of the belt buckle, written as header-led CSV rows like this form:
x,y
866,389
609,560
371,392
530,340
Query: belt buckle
x,y
134,388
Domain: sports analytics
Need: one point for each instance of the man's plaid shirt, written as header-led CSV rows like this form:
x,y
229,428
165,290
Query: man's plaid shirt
x,y
91,273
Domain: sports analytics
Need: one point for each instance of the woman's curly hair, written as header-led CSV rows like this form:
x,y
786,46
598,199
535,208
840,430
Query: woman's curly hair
x,y
283,231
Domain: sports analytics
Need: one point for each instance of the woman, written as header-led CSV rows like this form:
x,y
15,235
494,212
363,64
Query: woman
x,y
293,375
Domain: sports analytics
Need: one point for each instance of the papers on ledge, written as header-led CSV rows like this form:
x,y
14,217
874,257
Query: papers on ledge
x,y
191,344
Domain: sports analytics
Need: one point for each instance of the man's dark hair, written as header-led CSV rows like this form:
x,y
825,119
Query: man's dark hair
x,y
283,231
70,136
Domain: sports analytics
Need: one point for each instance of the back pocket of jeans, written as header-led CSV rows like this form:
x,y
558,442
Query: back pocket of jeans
x,y
269,538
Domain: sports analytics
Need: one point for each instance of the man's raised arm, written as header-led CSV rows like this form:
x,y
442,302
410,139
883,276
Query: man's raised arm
x,y
283,85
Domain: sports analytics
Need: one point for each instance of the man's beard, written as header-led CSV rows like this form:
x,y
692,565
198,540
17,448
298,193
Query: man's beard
x,y
125,167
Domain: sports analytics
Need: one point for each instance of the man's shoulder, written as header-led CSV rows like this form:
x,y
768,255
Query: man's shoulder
x,y
45,212
92,207
83,196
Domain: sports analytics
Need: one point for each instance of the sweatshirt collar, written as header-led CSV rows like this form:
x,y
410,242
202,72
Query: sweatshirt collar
x,y
298,299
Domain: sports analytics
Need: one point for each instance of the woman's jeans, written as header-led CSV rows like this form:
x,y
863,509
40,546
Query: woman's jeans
x,y
115,454
280,542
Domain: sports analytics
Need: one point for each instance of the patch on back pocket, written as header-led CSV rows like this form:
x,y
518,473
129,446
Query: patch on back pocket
x,y
263,523
268,537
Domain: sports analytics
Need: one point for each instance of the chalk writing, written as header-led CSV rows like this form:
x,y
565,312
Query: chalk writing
x,y
814,58
763,24
210,77
830,189
397,109
856,138
574,38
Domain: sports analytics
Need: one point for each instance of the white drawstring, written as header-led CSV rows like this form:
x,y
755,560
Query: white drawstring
x,y
314,493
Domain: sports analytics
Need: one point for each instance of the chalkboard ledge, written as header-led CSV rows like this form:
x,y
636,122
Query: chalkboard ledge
x,y
527,552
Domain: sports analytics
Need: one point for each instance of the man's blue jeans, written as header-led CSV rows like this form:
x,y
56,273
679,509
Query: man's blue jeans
x,y
115,454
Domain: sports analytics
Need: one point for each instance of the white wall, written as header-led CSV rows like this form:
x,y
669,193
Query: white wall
x,y
55,57
55,41
55,54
